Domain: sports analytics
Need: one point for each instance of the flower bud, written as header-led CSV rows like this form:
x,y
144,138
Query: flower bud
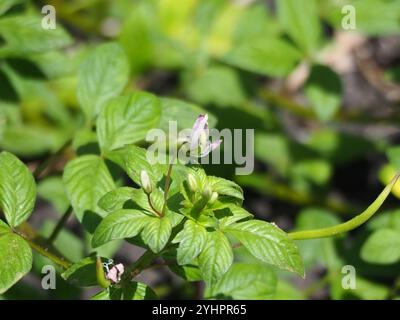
x,y
207,193
214,197
145,181
192,183
100,275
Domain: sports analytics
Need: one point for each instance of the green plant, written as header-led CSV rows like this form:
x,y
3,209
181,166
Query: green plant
x,y
77,114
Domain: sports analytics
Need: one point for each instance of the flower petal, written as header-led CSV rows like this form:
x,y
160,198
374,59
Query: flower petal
x,y
200,125
112,275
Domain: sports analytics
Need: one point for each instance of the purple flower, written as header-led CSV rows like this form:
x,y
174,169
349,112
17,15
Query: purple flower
x,y
114,274
199,139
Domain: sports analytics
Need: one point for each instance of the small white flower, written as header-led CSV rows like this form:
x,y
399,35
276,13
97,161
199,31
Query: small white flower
x,y
213,198
199,139
145,181
192,183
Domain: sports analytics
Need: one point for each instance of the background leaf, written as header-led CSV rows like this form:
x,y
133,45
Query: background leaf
x,y
272,57
7,4
25,35
382,247
323,90
103,75
300,21
127,119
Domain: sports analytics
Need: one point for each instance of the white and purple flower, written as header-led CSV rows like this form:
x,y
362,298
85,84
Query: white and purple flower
x,y
199,139
114,274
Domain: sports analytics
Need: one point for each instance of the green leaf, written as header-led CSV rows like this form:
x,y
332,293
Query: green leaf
x,y
133,160
300,20
234,215
324,89
184,113
82,273
273,57
127,119
314,170
189,272
218,85
67,243
15,257
269,244
364,289
52,190
86,180
7,4
156,232
318,250
121,224
393,154
134,291
24,35
102,76
286,290
17,189
245,281
29,140
280,159
225,187
115,199
382,247
216,257
368,290
191,242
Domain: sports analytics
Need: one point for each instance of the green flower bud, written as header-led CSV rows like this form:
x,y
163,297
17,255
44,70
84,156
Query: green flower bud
x,y
192,183
207,193
145,181
100,274
213,198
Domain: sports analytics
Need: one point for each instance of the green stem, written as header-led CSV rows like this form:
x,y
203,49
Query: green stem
x,y
60,225
46,253
142,263
48,161
159,214
167,186
351,224
146,260
39,244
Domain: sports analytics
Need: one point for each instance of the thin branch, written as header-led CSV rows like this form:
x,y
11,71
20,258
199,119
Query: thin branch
x,y
167,186
37,243
60,225
49,161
